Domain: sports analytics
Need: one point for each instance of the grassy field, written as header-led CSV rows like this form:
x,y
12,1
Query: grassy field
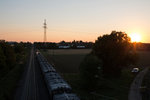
x,y
67,61
144,57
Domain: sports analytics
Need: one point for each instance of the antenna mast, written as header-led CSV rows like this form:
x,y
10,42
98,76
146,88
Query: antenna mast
x,y
45,27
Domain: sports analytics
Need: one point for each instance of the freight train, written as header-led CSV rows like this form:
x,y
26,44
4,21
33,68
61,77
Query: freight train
x,y
58,88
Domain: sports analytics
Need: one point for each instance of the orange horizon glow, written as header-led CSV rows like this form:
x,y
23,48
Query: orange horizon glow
x,y
68,36
50,37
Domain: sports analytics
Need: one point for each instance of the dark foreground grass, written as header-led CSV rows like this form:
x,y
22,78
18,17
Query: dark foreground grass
x,y
108,89
9,82
145,88
67,63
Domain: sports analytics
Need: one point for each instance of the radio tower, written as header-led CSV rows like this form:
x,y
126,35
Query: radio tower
x,y
45,27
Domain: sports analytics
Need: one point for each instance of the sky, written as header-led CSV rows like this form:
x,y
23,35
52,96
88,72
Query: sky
x,y
22,20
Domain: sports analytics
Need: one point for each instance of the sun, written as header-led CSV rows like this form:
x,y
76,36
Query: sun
x,y
135,37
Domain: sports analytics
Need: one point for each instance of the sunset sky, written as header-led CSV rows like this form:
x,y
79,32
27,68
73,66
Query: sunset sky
x,y
22,20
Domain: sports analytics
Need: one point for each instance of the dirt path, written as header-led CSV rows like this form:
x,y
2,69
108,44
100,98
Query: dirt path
x,y
134,93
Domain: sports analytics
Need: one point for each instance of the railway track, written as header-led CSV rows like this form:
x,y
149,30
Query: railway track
x,y
30,91
31,85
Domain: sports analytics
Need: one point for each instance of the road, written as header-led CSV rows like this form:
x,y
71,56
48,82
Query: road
x,y
134,93
32,85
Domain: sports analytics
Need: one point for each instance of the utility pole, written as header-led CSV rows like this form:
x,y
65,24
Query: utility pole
x,y
45,27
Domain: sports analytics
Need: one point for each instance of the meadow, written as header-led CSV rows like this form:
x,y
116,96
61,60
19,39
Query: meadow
x,y
144,57
67,62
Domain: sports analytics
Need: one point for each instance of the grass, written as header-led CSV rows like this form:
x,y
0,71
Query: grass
x,y
144,57
67,62
146,86
9,81
109,89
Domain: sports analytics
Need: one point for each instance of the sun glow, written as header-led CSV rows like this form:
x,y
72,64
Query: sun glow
x,y
135,37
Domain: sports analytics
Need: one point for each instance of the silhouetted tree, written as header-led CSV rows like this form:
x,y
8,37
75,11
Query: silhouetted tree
x,y
10,55
19,48
116,52
2,59
90,71
3,68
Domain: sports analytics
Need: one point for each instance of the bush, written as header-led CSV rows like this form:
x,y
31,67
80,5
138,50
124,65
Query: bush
x,y
90,71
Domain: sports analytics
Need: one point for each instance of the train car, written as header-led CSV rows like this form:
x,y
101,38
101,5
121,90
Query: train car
x,y
65,96
46,67
55,82
40,57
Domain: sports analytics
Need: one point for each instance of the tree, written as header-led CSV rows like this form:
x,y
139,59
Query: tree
x,y
90,71
19,48
116,51
3,67
10,55
2,59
